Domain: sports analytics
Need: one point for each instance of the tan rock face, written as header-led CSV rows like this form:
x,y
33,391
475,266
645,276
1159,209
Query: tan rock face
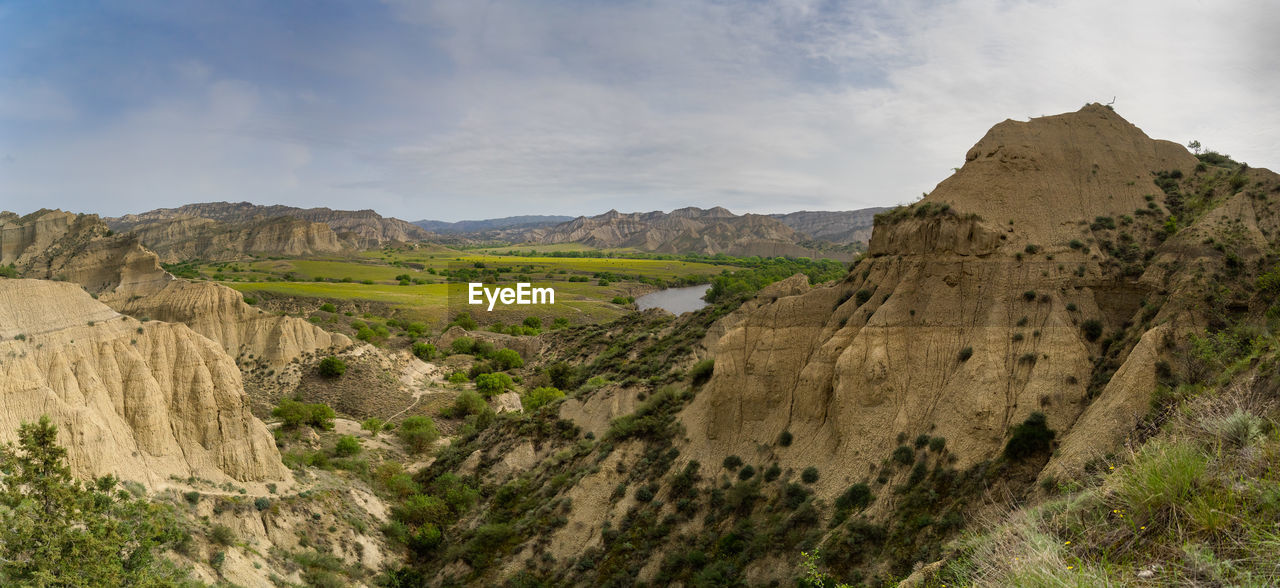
x,y
219,313
848,368
186,238
142,401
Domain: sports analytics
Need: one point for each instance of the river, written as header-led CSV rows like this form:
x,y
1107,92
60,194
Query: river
x,y
675,300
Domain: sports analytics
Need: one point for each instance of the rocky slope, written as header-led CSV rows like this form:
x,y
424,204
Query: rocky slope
x,y
185,238
974,309
840,227
142,401
493,227
686,230
359,228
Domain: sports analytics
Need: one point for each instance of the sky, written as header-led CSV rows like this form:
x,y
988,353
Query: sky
x,y
469,109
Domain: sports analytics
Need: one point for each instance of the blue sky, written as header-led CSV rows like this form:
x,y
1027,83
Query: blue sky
x,y
476,109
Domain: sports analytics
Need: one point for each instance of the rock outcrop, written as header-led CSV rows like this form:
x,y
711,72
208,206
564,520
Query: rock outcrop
x,y
142,401
840,227
967,314
186,238
357,228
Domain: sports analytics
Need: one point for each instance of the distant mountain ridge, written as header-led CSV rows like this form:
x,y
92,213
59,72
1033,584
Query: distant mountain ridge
x,y
226,230
842,227
529,221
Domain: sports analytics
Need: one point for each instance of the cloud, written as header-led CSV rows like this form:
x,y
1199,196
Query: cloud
x,y
459,109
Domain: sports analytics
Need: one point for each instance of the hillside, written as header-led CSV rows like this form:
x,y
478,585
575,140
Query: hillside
x,y
494,227
840,227
361,229
686,230
966,365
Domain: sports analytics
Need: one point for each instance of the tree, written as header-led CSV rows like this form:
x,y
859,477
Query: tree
x,y
294,414
539,397
1194,145
332,367
507,359
491,384
57,531
418,432
347,446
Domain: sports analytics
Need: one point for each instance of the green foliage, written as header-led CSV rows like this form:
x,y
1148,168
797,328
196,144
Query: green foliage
x,y
539,397
294,414
1269,282
857,497
862,296
533,322
904,455
701,372
328,307
463,345
424,351
1092,329
506,359
937,444
347,446
418,433
56,531
493,383
332,367
1032,437
373,425
464,320
965,354
766,271
222,535
467,402
772,472
809,475
732,463
746,473
784,440
654,418
8,271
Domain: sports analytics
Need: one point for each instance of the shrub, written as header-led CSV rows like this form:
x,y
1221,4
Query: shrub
x,y
772,473
426,539
479,368
294,414
732,462
347,446
921,440
250,300
746,473
701,372
424,351
418,433
904,455
457,378
862,296
533,322
858,496
328,307
332,367
965,354
937,444
1032,437
222,535
506,359
261,503
1029,295
492,384
1092,329
785,439
809,475
539,397
464,320
372,425
463,345
466,403
1162,476
422,509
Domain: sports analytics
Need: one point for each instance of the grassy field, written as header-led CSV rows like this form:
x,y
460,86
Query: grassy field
x,y
587,289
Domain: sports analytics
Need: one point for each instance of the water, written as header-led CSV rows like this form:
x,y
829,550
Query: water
x,y
675,300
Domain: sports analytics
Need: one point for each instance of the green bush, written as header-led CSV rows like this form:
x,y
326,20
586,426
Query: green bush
x,y
965,354
857,497
347,446
732,462
506,359
701,371
332,367
1032,437
426,539
1092,329
464,320
493,384
809,475
421,509
785,439
904,455
418,433
328,307
746,473
261,503
463,345
539,397
772,472
222,535
294,414
468,402
424,351
862,296
533,322
373,425
937,444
